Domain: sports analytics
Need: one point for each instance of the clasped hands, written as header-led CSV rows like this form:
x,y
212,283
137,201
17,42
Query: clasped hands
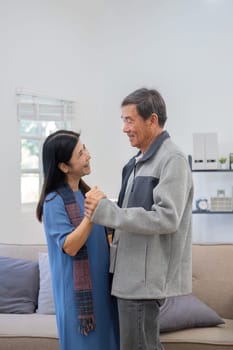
x,y
92,199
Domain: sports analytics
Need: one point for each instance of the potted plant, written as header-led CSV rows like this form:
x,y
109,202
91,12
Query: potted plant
x,y
231,161
222,161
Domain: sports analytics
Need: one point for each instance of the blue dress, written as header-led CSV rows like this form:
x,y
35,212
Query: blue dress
x,y
57,226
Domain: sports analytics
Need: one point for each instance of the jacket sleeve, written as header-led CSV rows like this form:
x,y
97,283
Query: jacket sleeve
x,y
171,196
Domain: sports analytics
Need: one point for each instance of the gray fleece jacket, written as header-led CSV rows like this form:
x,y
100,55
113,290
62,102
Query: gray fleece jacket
x,y
151,249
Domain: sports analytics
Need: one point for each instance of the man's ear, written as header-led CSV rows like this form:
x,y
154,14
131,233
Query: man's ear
x,y
63,167
154,118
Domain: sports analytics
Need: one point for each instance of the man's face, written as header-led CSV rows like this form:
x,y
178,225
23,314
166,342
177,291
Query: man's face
x,y
138,130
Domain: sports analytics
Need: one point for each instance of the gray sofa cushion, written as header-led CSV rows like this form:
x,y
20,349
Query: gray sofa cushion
x,y
19,285
45,299
186,311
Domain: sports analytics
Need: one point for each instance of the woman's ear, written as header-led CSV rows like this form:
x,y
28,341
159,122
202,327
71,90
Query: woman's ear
x,y
63,167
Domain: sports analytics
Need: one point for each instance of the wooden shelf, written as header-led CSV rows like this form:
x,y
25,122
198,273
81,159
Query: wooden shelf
x,y
211,212
213,171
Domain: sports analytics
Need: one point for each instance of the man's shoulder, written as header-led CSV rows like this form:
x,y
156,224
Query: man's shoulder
x,y
170,153
171,148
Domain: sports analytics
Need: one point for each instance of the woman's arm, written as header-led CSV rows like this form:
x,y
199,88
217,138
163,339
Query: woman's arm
x,y
77,238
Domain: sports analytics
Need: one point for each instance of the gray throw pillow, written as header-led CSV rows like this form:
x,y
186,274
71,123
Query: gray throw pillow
x,y
19,285
186,311
45,299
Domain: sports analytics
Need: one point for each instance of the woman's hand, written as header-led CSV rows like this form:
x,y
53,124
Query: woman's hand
x,y
92,199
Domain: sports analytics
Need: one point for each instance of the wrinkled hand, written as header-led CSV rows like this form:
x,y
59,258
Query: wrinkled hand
x,y
92,199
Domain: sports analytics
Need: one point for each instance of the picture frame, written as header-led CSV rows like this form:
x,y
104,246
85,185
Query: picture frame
x,y
221,193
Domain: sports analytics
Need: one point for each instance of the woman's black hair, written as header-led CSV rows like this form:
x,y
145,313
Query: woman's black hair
x,y
57,148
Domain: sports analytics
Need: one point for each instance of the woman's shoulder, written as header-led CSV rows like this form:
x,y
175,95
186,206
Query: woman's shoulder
x,y
52,197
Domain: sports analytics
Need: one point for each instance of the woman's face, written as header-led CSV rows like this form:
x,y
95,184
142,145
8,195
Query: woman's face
x,y
79,163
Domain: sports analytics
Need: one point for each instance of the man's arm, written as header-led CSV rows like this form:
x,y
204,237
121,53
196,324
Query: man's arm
x,y
170,196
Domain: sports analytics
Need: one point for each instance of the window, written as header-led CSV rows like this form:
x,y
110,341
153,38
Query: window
x,y
38,117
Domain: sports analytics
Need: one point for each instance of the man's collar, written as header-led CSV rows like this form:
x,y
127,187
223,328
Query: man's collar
x,y
153,147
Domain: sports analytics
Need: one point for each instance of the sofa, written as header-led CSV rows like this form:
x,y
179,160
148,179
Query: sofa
x,y
203,320
31,330
212,284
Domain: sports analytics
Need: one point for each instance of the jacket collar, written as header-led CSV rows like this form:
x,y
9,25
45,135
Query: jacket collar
x,y
131,164
153,147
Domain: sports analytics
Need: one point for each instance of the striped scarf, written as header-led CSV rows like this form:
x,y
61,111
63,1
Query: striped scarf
x,y
81,268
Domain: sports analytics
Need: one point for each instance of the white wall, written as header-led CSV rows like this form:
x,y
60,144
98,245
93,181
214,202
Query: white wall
x,y
40,51
97,52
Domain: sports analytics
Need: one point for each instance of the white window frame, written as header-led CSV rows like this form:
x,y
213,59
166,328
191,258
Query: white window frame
x,y
40,108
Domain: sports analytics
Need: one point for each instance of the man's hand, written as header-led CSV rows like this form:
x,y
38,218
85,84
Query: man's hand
x,y
92,199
